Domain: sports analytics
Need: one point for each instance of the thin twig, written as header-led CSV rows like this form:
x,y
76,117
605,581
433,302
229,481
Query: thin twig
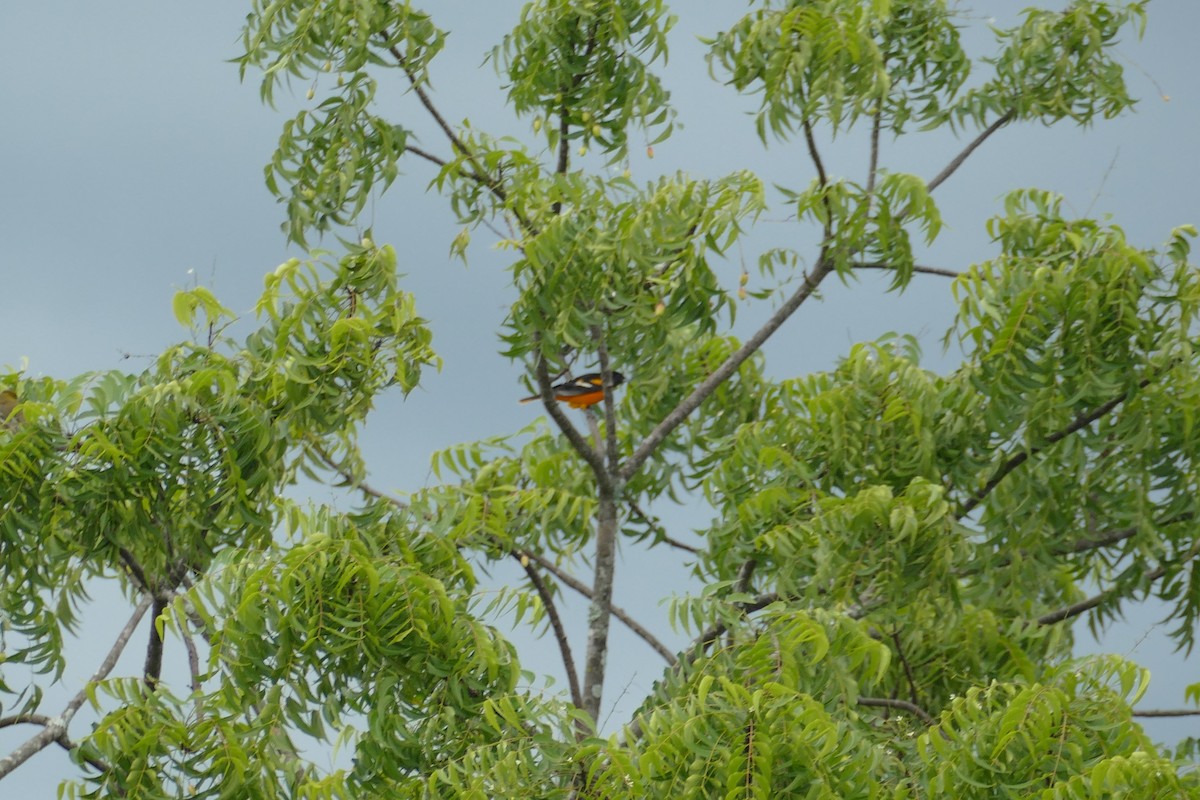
x,y
354,482
958,160
660,534
908,671
873,167
1103,180
560,631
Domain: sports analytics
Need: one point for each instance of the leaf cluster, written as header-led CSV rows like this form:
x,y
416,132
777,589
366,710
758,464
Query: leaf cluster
x,y
584,66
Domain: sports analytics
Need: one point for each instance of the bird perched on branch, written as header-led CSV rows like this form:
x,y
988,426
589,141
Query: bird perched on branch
x,y
581,392
8,402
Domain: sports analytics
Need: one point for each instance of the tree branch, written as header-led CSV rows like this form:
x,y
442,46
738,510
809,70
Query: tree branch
x,y
25,719
714,632
55,728
560,631
908,671
946,273
1168,712
745,573
482,180
154,648
1095,543
815,155
600,612
958,160
697,648
63,741
564,125
610,415
899,705
1081,421
194,616
110,660
1083,606
1079,546
706,387
565,577
623,616
690,403
193,656
353,481
564,148
135,569
427,102
1149,576
425,154
873,167
480,174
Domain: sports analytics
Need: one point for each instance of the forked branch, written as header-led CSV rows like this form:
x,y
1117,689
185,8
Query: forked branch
x,y
722,373
54,729
570,581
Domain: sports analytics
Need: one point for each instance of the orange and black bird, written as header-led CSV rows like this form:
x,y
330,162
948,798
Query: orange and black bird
x,y
581,392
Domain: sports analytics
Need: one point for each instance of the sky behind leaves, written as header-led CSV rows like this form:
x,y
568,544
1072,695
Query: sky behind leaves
x,y
131,166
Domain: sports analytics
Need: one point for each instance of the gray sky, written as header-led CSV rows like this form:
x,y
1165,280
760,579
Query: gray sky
x,y
131,166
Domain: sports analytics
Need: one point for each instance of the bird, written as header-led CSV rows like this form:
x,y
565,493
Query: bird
x,y
9,401
581,392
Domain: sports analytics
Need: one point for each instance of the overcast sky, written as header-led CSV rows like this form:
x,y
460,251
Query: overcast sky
x,y
131,166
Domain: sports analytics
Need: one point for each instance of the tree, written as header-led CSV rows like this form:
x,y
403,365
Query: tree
x,y
883,597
